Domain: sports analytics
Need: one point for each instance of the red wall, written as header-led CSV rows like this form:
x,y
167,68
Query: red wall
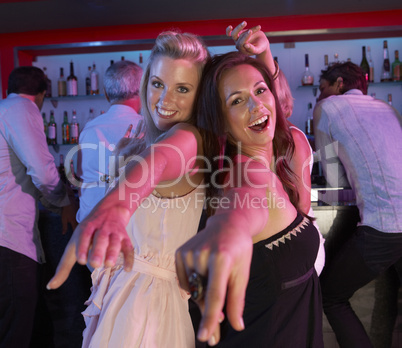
x,y
371,20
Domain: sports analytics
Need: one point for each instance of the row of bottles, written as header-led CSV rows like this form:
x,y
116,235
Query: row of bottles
x,y
69,86
390,72
70,131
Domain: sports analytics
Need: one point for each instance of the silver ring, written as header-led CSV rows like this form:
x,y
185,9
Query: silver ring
x,y
197,284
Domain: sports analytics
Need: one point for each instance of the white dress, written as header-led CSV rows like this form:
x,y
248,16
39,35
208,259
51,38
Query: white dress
x,y
146,307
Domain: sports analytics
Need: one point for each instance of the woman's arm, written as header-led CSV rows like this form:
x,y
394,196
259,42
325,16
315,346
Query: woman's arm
x,y
222,251
102,235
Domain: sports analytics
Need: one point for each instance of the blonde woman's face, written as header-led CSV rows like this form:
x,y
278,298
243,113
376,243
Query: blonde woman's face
x,y
171,91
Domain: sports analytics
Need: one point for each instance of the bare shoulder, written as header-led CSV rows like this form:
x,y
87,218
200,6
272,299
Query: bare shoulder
x,y
302,146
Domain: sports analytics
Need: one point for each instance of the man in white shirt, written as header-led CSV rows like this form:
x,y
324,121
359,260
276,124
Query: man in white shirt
x,y
27,174
100,136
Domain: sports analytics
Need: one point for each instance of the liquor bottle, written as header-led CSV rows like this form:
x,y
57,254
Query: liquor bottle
x,y
48,84
91,115
390,99
307,77
326,64
44,124
336,58
364,65
371,65
386,67
122,57
140,60
72,82
309,121
111,62
52,130
94,81
62,84
62,169
65,129
396,67
88,82
74,129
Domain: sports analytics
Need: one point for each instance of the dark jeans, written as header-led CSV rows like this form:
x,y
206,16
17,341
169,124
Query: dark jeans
x,y
19,285
360,260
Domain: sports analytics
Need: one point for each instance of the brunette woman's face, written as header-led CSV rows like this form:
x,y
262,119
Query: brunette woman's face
x,y
171,91
248,106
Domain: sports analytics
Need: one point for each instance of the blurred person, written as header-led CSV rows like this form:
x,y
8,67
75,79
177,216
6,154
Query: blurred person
x,y
359,139
27,174
100,135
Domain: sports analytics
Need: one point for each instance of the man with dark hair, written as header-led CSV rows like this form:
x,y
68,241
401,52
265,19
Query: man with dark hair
x,y
27,174
359,141
100,136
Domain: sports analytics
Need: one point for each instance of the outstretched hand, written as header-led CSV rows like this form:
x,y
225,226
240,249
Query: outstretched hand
x,y
248,41
97,240
224,258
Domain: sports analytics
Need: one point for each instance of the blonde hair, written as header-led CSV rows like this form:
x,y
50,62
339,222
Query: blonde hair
x,y
174,45
284,95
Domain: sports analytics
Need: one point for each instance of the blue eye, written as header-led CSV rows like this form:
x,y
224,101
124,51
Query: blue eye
x,y
156,84
183,89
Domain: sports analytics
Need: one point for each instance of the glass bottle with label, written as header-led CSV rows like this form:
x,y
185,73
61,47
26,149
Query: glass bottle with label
x,y
44,124
88,82
65,129
94,81
371,65
364,65
62,84
74,129
52,130
386,67
307,77
396,67
48,84
72,82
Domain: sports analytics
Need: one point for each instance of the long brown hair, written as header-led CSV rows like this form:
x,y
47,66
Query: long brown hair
x,y
210,121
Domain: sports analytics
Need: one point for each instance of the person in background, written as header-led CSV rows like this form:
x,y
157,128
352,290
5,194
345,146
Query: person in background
x,y
283,300
27,174
100,135
359,139
254,42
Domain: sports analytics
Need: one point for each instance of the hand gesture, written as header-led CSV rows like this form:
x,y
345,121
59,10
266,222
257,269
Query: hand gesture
x,y
248,41
98,240
131,143
224,258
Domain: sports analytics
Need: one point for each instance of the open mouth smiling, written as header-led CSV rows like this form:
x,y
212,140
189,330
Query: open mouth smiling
x,y
166,114
260,124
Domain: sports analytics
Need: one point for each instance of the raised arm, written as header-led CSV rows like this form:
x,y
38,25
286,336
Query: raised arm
x,y
253,42
222,252
101,236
